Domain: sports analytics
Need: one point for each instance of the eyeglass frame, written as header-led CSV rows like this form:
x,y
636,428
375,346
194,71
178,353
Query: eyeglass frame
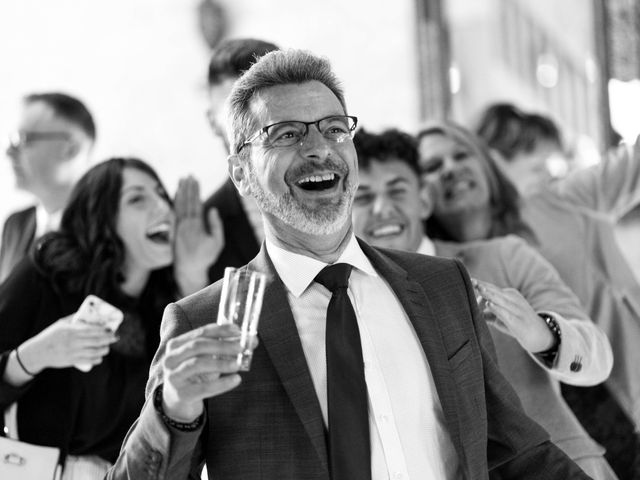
x,y
265,129
17,140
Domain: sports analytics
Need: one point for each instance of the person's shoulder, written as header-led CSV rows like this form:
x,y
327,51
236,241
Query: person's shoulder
x,y
442,278
195,310
18,218
202,300
506,244
418,263
24,278
402,256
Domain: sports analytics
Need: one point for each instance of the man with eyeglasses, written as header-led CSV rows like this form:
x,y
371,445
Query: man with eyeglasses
x,y
49,151
371,364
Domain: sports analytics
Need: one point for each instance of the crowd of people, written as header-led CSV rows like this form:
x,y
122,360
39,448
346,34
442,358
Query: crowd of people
x,y
434,306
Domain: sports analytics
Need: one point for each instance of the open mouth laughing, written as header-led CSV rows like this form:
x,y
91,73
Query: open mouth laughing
x,y
160,233
386,230
318,182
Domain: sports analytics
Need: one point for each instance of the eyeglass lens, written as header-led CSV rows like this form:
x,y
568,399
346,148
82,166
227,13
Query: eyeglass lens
x,y
20,139
286,134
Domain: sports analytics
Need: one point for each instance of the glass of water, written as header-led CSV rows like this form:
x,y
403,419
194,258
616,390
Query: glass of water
x,y
240,303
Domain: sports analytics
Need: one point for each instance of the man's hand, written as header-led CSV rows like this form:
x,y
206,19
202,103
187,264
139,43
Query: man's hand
x,y
513,315
199,364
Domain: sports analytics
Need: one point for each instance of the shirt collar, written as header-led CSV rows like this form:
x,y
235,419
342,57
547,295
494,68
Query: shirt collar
x,y
426,247
45,221
298,271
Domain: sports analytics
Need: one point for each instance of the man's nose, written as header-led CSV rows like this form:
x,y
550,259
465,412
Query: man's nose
x,y
314,144
381,206
11,149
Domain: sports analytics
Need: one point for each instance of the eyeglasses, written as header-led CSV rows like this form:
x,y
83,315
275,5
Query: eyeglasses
x,y
336,128
17,140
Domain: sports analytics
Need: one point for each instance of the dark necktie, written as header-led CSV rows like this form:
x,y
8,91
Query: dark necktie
x,y
349,448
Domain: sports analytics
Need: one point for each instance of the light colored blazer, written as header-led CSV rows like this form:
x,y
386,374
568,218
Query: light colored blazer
x,y
510,262
573,221
271,426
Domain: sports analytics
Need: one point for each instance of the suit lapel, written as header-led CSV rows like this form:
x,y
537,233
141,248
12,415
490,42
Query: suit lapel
x,y
278,334
418,308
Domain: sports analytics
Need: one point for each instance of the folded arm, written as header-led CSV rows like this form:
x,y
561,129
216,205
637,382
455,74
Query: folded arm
x,y
582,343
517,446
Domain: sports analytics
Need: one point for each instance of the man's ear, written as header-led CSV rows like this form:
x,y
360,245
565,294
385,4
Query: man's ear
x,y
238,173
72,148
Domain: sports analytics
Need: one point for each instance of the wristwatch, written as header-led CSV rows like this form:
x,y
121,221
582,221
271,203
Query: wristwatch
x,y
549,356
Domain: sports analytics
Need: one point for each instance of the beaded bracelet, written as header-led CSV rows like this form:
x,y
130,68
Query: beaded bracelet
x,y
22,364
549,356
183,427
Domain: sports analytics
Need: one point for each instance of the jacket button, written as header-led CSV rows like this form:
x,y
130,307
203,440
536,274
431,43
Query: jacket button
x,y
575,366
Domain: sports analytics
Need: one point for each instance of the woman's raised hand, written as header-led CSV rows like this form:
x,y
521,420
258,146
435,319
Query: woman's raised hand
x,y
197,245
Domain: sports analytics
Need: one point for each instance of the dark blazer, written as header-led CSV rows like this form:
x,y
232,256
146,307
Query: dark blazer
x,y
17,238
271,426
240,243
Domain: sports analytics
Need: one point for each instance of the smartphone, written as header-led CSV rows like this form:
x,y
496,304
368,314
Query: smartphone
x,y
96,311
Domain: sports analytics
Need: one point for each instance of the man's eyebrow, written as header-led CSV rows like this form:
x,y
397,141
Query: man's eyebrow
x,y
398,180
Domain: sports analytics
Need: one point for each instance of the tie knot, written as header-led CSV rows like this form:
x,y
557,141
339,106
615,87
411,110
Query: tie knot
x,y
334,276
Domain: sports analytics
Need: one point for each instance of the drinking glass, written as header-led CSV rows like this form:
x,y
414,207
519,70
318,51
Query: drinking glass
x,y
240,303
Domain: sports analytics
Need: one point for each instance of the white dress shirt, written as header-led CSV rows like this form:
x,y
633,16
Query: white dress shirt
x,y
426,247
409,439
45,221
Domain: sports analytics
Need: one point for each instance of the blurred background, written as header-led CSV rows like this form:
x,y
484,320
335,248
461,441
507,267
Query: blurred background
x,y
140,66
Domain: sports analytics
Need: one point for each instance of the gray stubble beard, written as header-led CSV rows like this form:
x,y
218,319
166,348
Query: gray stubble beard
x,y
325,219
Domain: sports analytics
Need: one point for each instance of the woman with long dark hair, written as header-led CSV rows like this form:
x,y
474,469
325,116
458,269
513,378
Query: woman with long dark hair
x,y
117,240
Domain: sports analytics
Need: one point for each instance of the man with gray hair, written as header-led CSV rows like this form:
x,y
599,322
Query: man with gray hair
x,y
371,364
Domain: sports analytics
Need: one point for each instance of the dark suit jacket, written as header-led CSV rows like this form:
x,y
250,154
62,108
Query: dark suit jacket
x,y
271,426
240,243
17,238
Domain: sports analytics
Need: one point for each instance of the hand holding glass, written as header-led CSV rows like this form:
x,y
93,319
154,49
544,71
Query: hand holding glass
x,y
240,303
